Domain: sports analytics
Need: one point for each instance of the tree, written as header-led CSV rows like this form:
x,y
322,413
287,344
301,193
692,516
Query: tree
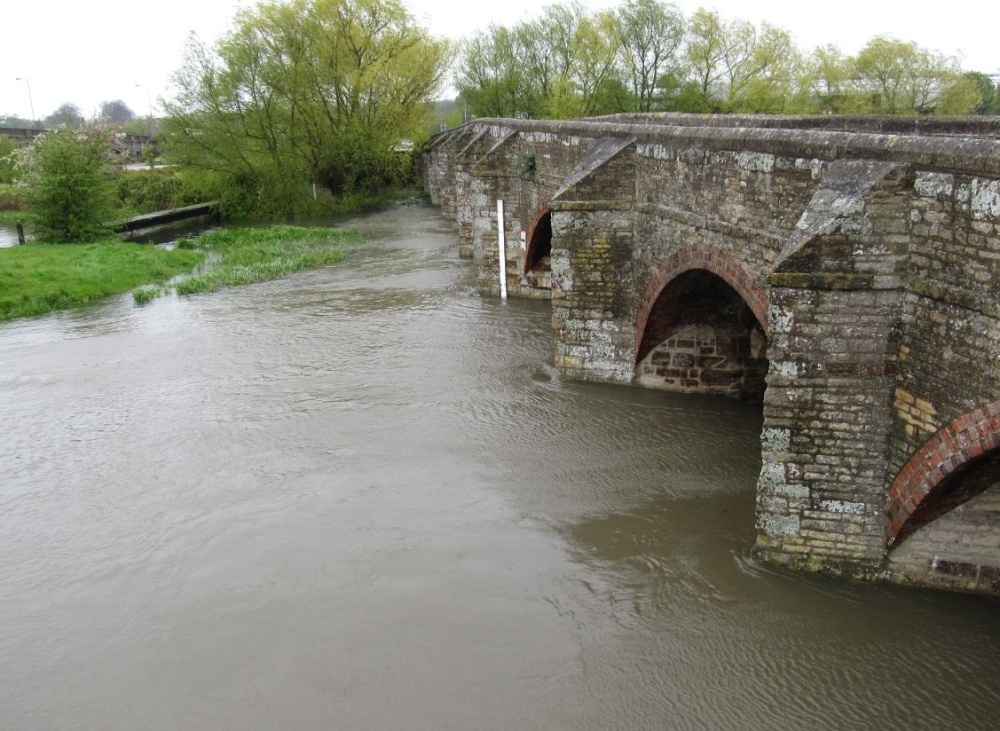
x,y
763,79
70,177
706,54
829,78
650,35
300,93
906,79
15,122
67,115
546,51
114,112
563,64
986,91
491,77
644,57
595,76
740,68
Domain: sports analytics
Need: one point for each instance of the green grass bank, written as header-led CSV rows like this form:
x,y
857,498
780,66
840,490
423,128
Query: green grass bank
x,y
39,278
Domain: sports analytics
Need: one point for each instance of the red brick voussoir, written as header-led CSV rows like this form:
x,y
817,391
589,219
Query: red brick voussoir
x,y
716,261
964,440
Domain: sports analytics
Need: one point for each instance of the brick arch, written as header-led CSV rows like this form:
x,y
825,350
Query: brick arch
x,y
918,491
541,212
723,265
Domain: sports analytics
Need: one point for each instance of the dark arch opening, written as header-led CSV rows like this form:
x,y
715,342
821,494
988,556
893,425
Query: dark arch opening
x,y
965,483
537,259
702,337
957,464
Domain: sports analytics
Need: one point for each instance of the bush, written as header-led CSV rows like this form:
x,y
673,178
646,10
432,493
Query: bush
x,y
149,190
70,177
11,198
7,146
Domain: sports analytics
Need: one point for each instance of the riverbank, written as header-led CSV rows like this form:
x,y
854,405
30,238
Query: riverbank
x,y
39,278
36,279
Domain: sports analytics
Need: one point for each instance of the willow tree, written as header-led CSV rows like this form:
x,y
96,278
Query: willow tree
x,y
739,67
557,66
304,93
650,36
491,77
903,78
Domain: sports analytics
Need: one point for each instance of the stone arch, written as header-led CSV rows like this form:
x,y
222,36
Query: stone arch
x,y
539,239
701,327
957,463
715,261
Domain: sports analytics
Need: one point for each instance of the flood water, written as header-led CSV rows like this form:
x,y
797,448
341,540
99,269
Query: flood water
x,y
361,498
8,235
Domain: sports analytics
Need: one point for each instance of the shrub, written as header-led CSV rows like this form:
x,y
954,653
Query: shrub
x,y
149,190
7,146
11,197
71,184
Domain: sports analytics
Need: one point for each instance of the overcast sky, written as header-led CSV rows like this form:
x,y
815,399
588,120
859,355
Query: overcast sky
x,y
89,51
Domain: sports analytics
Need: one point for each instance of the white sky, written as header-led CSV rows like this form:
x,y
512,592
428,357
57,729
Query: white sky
x,y
88,51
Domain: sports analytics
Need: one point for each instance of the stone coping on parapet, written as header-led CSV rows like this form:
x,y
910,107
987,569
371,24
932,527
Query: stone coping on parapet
x,y
966,154
969,126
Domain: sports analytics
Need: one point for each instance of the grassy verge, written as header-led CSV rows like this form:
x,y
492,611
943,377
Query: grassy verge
x,y
39,278
255,254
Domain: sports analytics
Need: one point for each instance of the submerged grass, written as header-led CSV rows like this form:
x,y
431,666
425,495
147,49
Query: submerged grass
x,y
255,254
142,295
40,278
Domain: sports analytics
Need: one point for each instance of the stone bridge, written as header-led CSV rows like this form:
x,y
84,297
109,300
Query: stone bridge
x,y
843,271
134,146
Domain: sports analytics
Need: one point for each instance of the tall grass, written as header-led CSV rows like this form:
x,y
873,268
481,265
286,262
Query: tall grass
x,y
248,255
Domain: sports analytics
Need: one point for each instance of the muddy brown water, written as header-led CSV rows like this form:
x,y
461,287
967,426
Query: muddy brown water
x,y
361,498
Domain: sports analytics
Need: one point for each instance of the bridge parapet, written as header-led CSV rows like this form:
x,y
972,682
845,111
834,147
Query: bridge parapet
x,y
859,268
134,146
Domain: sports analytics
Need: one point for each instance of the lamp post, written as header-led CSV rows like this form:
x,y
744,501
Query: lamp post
x,y
30,102
149,107
149,125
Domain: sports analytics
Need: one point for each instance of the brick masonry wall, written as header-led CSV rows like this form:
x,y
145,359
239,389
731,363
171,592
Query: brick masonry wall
x,y
960,550
706,359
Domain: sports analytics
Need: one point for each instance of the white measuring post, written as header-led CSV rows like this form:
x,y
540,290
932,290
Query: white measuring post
x,y
501,251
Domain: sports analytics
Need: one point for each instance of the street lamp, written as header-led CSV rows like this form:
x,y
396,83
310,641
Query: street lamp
x,y
149,125
149,106
30,102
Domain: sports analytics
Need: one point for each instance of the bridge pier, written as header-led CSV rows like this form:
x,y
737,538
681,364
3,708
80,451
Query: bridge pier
x,y
858,265
594,335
